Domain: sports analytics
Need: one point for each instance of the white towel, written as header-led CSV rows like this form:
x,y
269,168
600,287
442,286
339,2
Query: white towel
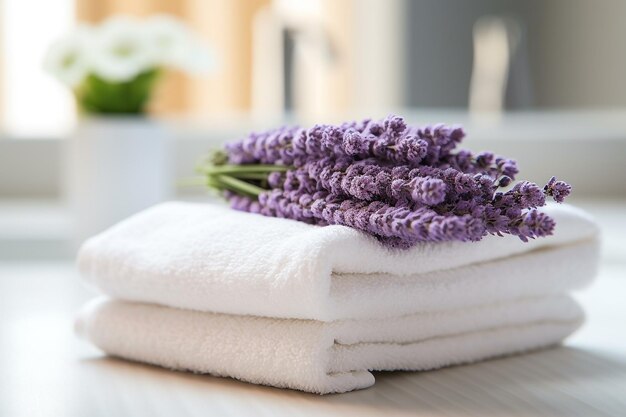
x,y
209,258
323,357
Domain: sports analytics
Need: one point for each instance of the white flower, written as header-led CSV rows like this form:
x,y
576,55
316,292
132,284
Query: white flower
x,y
67,58
174,45
121,50
122,47
169,39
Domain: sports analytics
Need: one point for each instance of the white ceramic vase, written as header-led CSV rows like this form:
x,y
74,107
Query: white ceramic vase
x,y
115,167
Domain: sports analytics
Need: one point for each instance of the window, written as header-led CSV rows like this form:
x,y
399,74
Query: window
x,y
32,103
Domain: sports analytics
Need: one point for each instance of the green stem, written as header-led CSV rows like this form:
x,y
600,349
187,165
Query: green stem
x,y
235,169
250,176
237,185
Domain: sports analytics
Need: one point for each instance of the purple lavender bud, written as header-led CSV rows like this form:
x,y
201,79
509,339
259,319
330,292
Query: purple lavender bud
x,y
412,150
425,132
349,216
263,198
353,143
240,203
335,182
484,181
485,159
362,220
463,161
475,229
299,141
529,193
317,207
376,128
305,200
495,221
507,167
400,171
504,181
380,147
331,136
430,191
457,134
314,140
325,173
447,228
558,190
539,224
383,182
254,207
339,216
397,188
463,183
363,187
275,179
395,125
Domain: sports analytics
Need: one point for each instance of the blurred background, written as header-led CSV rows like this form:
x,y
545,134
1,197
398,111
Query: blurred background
x,y
539,81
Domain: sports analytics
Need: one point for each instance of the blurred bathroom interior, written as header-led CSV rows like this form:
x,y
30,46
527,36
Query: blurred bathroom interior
x,y
539,80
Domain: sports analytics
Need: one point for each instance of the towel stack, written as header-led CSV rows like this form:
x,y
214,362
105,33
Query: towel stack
x,y
277,302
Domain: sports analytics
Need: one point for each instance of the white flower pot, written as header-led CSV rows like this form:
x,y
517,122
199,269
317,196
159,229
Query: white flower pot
x,y
115,167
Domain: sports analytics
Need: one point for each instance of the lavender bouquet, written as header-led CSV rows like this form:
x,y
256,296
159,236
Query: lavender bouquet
x,y
399,183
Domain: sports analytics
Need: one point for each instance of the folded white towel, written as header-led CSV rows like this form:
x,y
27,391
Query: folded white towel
x,y
205,257
323,357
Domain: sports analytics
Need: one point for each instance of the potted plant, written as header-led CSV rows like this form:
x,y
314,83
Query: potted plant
x,y
118,159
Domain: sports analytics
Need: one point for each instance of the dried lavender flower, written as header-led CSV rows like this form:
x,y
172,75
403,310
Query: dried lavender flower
x,y
557,189
399,183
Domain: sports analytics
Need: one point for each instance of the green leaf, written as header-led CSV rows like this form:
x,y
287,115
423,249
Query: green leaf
x,y
97,95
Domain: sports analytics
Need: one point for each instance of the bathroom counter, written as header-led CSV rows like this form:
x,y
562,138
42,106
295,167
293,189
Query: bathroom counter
x,y
47,371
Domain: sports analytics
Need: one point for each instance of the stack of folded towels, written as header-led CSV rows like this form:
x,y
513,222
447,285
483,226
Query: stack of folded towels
x,y
272,301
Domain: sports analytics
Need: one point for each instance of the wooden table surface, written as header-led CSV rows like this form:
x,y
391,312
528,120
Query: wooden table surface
x,y
46,371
